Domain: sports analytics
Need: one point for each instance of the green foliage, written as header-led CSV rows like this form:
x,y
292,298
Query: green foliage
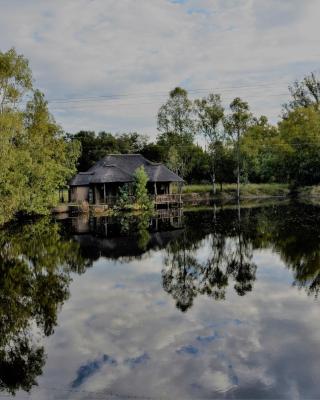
x,y
153,152
210,112
260,146
141,193
305,93
174,160
35,157
175,121
15,78
177,130
96,146
300,155
235,125
124,197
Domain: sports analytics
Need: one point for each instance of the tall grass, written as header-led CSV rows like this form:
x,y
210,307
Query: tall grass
x,y
249,189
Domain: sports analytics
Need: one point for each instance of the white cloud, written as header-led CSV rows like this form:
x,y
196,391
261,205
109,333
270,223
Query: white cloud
x,y
142,49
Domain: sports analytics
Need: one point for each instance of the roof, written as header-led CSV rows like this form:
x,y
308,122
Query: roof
x,y
121,168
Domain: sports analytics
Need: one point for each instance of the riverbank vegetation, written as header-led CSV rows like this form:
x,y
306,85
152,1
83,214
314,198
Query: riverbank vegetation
x,y
247,190
36,158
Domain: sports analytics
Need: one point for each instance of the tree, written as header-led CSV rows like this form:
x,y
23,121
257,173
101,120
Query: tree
x,y
174,161
15,78
177,127
36,159
52,159
141,192
304,93
300,153
260,146
91,150
96,146
175,122
153,152
209,113
235,125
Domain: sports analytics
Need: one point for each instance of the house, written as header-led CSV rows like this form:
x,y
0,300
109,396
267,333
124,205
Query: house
x,y
101,183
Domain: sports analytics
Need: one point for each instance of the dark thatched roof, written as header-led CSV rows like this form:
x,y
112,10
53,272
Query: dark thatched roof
x,y
121,168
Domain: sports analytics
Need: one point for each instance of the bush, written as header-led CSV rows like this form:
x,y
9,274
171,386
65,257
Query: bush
x,y
143,200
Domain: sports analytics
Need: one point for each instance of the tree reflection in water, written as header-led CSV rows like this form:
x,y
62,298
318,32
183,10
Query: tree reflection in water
x,y
35,267
291,231
184,276
294,232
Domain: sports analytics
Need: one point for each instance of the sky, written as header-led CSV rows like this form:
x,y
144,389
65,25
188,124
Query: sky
x,y
110,64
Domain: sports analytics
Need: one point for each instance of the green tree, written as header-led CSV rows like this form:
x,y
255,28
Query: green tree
x,y
175,122
304,93
96,146
300,153
235,125
141,193
176,126
174,161
260,147
15,79
210,111
52,159
153,152
36,159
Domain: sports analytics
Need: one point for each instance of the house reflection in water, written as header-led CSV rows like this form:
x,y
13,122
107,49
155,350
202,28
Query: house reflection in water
x,y
126,236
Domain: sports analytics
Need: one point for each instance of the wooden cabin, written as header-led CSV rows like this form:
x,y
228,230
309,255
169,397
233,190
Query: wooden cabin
x,y
101,183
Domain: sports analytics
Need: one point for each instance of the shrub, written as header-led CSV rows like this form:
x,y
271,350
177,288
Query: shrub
x,y
143,200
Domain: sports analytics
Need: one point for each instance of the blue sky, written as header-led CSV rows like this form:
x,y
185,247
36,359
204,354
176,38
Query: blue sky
x,y
118,59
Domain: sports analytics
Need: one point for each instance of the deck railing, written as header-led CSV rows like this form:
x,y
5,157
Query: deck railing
x,y
167,198
158,199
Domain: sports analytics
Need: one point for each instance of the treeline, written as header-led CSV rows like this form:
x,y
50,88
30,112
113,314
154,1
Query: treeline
x,y
235,144
36,157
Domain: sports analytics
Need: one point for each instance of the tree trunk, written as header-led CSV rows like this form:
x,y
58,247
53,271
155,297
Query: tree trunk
x,y
238,165
213,176
214,183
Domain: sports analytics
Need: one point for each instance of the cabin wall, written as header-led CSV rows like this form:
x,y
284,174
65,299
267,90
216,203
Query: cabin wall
x,y
98,196
79,194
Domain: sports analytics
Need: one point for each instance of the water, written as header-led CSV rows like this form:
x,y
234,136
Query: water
x,y
209,304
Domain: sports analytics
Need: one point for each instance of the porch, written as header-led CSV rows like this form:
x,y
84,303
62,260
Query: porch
x,y
159,200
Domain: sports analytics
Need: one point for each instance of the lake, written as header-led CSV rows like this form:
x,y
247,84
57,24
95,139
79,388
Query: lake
x,y
200,304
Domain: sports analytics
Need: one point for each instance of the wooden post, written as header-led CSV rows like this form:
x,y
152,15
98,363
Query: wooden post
x,y
104,193
155,188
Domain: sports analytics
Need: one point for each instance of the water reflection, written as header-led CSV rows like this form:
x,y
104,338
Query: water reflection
x,y
230,258
208,261
233,233
35,267
126,237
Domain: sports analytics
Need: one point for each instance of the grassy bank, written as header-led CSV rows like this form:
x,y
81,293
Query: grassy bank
x,y
309,191
246,190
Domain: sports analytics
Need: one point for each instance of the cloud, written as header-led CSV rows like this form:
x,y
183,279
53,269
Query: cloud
x,y
143,49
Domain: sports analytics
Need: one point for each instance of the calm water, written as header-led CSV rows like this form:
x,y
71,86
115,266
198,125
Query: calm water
x,y
209,304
